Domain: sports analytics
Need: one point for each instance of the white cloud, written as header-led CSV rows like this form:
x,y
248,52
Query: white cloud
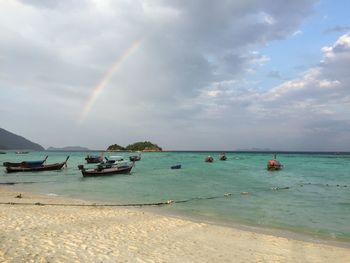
x,y
316,103
298,32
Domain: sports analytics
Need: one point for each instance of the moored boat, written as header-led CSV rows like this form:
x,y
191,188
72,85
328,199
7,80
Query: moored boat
x,y
106,169
135,158
93,159
209,159
178,166
25,163
274,164
223,157
39,168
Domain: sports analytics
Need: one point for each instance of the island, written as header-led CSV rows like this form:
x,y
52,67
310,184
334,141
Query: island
x,y
145,146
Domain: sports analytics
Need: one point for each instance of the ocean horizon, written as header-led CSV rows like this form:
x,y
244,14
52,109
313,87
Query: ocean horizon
x,y
96,151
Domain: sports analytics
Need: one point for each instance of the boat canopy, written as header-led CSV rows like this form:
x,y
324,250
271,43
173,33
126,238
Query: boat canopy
x,y
115,158
33,162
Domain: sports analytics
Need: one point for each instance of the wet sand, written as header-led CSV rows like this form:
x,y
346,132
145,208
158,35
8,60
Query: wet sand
x,y
37,233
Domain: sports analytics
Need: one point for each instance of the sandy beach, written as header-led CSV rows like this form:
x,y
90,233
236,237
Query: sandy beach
x,y
50,233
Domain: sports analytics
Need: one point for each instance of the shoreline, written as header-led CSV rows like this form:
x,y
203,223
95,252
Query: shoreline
x,y
266,230
162,211
88,234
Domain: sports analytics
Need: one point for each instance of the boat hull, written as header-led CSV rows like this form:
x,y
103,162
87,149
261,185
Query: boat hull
x,y
106,172
49,167
39,168
274,168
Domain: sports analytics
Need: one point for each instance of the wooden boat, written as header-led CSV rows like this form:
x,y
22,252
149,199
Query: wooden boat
x,y
25,163
223,157
40,168
178,166
106,169
209,159
93,159
135,158
274,164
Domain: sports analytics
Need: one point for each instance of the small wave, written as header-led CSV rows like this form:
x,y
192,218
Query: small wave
x,y
52,194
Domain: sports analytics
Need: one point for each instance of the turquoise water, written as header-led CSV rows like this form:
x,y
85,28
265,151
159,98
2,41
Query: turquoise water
x,y
310,195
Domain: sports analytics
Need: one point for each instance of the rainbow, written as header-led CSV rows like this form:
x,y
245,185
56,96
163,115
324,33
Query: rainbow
x,y
105,79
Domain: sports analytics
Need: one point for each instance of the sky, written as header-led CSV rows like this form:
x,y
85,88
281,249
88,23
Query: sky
x,y
186,75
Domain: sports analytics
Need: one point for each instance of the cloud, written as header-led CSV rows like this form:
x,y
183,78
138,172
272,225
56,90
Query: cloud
x,y
310,112
337,29
187,82
298,32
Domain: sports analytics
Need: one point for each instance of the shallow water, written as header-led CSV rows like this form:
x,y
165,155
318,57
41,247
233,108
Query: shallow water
x,y
310,195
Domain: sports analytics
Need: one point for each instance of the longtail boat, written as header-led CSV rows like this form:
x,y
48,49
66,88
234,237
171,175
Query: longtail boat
x,y
40,168
93,159
135,158
26,163
209,159
274,164
106,169
222,157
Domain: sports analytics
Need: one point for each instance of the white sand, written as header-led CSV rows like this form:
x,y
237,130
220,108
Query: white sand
x,y
98,234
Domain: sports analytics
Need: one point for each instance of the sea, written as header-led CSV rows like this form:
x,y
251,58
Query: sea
x,y
309,196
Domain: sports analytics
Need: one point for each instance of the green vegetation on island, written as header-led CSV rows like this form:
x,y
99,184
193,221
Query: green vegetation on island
x,y
115,147
145,146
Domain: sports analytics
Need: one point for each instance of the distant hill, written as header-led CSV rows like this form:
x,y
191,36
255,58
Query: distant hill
x,y
68,149
11,141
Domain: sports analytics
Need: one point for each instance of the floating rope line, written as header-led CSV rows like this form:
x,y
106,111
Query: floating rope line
x,y
13,183
308,184
120,205
324,185
149,204
280,188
